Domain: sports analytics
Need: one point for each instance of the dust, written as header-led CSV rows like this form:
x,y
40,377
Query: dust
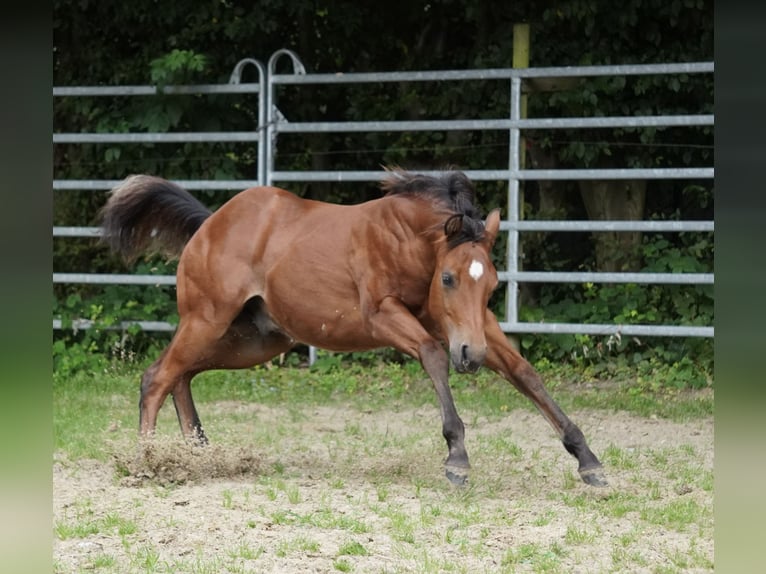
x,y
167,461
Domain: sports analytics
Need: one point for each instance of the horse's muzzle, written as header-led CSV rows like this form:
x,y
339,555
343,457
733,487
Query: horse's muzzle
x,y
467,359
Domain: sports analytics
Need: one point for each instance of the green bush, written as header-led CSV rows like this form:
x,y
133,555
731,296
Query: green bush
x,y
688,362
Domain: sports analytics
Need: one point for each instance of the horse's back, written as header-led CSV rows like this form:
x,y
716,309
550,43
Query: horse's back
x,y
259,233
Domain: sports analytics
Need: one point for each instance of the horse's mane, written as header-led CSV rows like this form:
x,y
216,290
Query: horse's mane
x,y
452,190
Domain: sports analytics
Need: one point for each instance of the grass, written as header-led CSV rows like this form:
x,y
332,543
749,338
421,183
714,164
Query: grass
x,y
110,399
349,478
81,522
352,548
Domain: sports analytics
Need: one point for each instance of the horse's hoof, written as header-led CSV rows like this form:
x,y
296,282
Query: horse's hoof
x,y
457,476
594,477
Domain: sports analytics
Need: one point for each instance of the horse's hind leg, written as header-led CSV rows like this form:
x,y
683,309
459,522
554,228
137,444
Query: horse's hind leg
x,y
198,347
172,373
153,393
504,359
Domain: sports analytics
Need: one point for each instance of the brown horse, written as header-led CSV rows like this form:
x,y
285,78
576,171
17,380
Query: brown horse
x,y
411,270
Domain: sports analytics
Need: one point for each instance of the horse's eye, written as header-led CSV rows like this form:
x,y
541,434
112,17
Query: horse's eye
x,y
448,279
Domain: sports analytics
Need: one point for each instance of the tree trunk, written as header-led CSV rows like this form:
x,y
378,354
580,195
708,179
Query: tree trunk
x,y
552,206
611,200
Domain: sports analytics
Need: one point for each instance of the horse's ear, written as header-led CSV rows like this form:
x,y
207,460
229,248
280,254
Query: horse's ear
x,y
453,225
492,226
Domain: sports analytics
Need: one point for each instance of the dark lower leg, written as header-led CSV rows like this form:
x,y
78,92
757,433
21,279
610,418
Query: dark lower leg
x,y
436,364
453,431
505,360
589,467
188,418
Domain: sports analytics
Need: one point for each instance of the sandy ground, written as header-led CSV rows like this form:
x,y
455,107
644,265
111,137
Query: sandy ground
x,y
227,510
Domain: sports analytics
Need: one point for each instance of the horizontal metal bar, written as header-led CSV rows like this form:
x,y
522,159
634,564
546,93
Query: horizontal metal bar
x,y
496,124
413,76
559,328
174,137
521,276
377,175
583,226
623,330
385,126
618,70
83,324
190,184
494,74
679,226
628,173
114,279
245,88
61,231
505,174
605,277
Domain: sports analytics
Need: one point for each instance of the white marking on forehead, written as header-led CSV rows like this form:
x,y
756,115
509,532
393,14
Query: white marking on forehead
x,y
476,270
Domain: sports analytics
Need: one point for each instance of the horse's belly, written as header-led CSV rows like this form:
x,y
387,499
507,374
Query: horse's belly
x,y
338,331
335,327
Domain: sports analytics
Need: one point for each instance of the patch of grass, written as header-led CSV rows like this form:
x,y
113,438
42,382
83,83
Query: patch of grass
x,y
66,531
674,404
284,517
292,492
577,535
382,492
544,519
147,558
426,561
102,561
400,525
622,459
276,487
328,518
352,548
535,557
89,408
123,526
85,524
620,504
245,551
676,514
570,480
199,565
297,545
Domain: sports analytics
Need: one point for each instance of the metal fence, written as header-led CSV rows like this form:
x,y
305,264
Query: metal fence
x,y
271,123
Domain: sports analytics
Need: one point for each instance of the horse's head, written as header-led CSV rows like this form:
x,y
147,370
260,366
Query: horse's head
x,y
463,281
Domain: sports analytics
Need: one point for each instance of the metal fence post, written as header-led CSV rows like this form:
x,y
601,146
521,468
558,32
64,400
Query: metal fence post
x,y
236,76
271,127
512,263
272,113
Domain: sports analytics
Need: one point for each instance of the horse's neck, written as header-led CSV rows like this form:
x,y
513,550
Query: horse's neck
x,y
426,234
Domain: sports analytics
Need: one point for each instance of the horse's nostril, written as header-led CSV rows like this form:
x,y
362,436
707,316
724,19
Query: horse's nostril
x,y
464,356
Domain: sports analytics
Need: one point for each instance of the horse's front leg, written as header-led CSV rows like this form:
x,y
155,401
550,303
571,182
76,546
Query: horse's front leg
x,y
436,363
505,360
393,325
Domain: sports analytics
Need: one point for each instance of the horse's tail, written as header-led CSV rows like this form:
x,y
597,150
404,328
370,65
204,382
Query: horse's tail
x,y
146,214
